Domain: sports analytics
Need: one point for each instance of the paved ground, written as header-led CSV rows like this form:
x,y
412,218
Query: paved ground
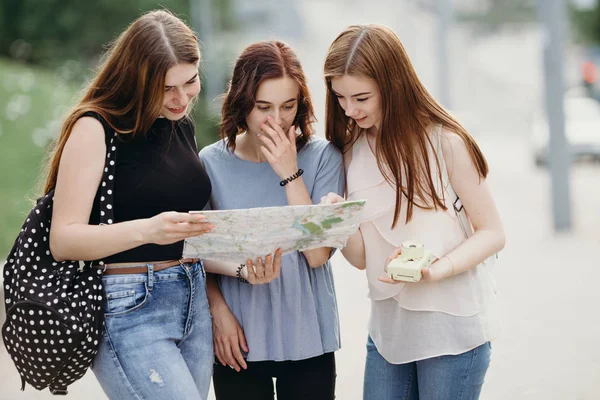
x,y
548,296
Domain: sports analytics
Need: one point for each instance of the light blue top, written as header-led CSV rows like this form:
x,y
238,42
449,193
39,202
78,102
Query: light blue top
x,y
295,316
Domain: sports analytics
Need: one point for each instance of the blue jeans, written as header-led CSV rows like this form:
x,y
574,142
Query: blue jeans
x,y
452,377
158,338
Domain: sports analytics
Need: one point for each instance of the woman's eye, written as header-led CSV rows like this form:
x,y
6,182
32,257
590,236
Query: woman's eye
x,y
192,81
168,88
263,108
288,107
363,99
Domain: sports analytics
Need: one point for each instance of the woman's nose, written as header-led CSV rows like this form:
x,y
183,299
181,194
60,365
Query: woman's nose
x,y
350,110
277,117
179,97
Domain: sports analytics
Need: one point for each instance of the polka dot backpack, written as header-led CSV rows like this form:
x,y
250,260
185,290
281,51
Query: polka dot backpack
x,y
54,309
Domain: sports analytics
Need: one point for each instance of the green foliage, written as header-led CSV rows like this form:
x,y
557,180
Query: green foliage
x,y
52,31
31,103
586,24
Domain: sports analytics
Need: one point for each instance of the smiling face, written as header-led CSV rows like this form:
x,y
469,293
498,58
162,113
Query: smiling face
x,y
182,84
360,99
277,98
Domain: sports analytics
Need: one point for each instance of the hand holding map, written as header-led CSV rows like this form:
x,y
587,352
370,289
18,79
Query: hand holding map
x,y
250,233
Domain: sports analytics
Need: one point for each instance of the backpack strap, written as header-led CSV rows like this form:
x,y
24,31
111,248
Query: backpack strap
x,y
108,176
108,180
459,210
457,205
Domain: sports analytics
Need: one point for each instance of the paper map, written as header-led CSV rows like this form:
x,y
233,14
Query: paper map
x,y
250,233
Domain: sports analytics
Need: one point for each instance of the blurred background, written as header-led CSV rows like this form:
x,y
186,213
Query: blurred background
x,y
521,75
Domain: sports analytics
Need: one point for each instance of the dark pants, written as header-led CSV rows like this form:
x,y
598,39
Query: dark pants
x,y
313,378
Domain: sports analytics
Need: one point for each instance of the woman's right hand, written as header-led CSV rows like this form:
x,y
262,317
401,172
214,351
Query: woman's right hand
x,y
171,227
228,338
331,198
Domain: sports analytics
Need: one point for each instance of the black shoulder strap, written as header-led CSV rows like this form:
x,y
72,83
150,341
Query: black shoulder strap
x,y
108,176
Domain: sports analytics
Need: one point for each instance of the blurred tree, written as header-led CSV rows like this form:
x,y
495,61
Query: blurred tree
x,y
586,22
71,35
51,31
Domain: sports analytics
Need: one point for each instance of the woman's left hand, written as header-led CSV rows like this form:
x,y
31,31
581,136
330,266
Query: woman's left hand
x,y
440,269
279,148
264,272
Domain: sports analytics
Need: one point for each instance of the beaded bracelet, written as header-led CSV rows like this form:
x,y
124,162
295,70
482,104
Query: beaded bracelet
x,y
291,178
238,274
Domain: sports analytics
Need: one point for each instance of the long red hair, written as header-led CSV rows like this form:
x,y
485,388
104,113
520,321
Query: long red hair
x,y
408,110
128,89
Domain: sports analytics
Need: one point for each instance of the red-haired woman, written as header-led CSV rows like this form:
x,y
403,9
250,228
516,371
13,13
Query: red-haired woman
x,y
412,160
287,329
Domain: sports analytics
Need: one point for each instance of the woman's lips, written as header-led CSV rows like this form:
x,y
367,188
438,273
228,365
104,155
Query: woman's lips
x,y
177,110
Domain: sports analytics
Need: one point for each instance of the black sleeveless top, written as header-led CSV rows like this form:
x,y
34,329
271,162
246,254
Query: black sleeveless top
x,y
156,172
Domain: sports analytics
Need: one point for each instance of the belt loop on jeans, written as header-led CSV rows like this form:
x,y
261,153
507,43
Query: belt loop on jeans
x,y
150,276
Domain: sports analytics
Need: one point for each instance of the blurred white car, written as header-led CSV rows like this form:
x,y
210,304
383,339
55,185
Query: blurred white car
x,y
582,129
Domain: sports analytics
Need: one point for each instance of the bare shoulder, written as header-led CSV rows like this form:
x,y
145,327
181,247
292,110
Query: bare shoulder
x,y
86,144
451,141
87,129
454,148
86,138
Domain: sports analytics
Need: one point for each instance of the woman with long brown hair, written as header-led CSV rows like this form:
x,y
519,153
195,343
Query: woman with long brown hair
x,y
157,342
287,329
419,170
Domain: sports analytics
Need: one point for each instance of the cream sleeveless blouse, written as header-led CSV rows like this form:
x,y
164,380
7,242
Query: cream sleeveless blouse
x,y
415,321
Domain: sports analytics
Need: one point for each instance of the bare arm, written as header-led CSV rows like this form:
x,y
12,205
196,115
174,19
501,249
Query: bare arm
x,y
280,150
354,251
228,335
257,272
297,194
79,175
488,237
213,293
223,268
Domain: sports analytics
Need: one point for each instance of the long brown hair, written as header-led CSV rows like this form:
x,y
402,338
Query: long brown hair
x,y
257,63
408,110
129,87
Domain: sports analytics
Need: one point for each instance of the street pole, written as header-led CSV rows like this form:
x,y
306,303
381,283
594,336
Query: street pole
x,y
444,12
552,14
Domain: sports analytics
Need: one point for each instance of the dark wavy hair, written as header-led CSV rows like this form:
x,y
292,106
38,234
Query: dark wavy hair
x,y
257,63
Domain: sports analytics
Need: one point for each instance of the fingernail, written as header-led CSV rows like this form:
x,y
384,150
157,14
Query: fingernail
x,y
268,258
